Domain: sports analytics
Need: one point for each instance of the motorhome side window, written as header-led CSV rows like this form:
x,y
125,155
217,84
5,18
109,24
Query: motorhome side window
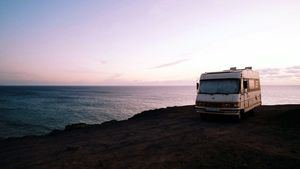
x,y
251,84
257,84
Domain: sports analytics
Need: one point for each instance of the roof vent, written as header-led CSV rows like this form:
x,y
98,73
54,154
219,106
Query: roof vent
x,y
250,67
233,68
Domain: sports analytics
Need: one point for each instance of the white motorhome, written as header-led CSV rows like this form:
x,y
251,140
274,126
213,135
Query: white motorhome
x,y
228,92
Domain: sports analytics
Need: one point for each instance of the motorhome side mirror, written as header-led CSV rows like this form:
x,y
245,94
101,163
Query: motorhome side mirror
x,y
197,86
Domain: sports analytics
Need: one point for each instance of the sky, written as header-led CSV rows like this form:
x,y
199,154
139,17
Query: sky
x,y
132,42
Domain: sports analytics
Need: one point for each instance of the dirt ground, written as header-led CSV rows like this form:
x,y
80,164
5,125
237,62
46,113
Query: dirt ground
x,y
173,137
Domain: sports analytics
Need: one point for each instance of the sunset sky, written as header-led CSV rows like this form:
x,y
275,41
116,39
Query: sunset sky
x,y
128,42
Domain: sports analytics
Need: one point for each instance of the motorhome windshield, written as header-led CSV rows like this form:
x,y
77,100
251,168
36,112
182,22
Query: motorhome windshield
x,y
219,86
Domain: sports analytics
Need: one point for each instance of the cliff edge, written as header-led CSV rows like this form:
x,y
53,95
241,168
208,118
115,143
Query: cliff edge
x,y
173,137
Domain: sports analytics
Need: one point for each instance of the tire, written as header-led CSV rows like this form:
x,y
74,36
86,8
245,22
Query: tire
x,y
242,115
252,112
238,118
203,117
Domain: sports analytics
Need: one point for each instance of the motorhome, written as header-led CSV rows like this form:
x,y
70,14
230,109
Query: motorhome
x,y
229,92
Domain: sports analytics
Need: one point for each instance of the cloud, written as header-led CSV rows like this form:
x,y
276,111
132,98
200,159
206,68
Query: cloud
x,y
18,74
115,76
103,61
20,78
166,83
171,63
293,71
269,71
281,75
294,67
82,70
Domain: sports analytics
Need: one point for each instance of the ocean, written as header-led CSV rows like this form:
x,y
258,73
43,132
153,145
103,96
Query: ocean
x,y
35,110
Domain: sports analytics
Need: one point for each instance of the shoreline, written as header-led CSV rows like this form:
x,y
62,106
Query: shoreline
x,y
83,125
172,137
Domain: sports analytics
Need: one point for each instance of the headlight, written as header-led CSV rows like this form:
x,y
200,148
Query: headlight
x,y
200,104
236,105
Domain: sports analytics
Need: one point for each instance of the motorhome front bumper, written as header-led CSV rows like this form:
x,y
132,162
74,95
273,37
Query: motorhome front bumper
x,y
213,110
